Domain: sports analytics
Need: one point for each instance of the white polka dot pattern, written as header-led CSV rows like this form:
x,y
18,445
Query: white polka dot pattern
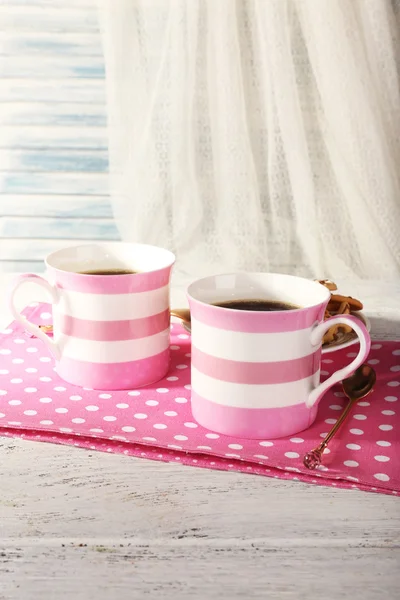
x,y
156,422
381,476
381,458
356,431
353,446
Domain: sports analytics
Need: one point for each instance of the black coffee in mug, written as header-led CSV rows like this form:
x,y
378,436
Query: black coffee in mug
x,y
108,272
257,305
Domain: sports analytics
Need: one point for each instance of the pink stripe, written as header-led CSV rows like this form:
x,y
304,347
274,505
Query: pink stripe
x,y
255,372
111,331
256,322
252,423
110,284
114,376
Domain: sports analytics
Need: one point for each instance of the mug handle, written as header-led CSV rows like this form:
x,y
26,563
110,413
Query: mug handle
x,y
365,344
28,326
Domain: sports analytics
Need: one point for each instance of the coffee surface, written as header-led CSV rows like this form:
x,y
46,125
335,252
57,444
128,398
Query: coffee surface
x,y
257,305
108,272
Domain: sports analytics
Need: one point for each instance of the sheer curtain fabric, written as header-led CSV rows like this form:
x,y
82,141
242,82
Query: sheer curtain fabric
x,y
257,134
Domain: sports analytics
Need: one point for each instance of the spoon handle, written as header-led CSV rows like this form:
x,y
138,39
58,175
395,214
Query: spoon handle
x,y
313,458
337,425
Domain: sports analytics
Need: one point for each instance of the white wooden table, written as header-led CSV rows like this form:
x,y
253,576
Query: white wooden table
x,y
85,525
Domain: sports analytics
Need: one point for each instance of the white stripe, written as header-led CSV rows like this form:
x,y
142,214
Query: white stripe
x,y
243,395
113,307
113,352
251,347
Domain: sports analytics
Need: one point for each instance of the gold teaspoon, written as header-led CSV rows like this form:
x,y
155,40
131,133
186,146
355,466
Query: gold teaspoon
x,y
357,386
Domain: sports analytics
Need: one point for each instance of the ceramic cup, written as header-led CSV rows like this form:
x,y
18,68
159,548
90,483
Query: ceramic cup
x,y
110,332
257,374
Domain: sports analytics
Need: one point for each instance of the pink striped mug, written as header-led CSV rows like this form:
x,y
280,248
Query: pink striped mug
x,y
257,374
110,332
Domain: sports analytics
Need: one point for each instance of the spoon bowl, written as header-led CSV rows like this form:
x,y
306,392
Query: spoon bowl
x,y
359,384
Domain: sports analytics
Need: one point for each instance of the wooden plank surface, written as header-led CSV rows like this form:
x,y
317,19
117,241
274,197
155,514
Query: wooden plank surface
x,y
17,266
52,66
54,115
56,90
85,4
86,525
43,228
53,142
57,160
44,43
29,137
137,569
62,206
19,182
48,19
34,248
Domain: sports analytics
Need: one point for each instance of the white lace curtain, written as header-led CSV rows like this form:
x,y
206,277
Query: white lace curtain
x,y
257,134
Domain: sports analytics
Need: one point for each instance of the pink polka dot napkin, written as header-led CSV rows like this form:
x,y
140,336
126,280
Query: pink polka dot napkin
x,y
156,422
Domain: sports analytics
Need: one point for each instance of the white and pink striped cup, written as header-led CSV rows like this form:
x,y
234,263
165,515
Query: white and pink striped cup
x,y
110,332
257,374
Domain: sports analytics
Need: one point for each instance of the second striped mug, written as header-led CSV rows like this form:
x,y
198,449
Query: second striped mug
x,y
256,353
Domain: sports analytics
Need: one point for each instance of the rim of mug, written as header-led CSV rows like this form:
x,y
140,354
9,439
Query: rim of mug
x,y
317,285
53,255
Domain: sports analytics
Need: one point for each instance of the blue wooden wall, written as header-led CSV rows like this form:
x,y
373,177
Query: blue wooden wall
x,y
53,148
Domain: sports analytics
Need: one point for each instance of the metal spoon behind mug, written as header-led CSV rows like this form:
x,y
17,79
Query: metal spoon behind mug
x,y
357,386
184,315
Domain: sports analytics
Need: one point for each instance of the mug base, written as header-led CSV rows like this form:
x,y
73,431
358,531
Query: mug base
x,y
252,423
114,376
